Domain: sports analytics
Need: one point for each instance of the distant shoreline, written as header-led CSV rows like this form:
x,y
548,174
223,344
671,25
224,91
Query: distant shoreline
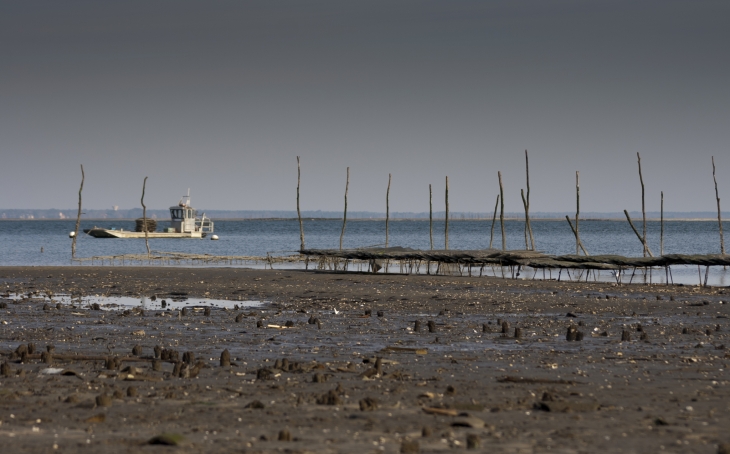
x,y
440,219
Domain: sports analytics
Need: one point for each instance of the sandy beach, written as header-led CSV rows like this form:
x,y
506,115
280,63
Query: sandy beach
x,y
349,362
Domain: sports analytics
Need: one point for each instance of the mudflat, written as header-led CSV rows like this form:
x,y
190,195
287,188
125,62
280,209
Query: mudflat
x,y
349,362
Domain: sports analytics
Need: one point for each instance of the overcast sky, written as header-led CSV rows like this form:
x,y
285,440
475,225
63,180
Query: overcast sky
x,y
221,96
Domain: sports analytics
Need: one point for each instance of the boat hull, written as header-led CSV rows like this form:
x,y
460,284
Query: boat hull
x,y
108,233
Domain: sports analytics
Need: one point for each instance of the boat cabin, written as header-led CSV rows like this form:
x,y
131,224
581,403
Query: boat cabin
x,y
184,219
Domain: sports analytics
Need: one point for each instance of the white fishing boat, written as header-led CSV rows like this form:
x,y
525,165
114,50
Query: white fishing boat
x,y
184,223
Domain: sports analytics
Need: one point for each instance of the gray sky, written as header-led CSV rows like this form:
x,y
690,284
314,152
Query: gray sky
x,y
221,96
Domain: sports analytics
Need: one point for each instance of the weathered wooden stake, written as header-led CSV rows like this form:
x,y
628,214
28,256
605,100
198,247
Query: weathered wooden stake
x,y
638,235
661,233
430,215
577,212
299,213
643,207
580,243
719,213
501,211
78,216
144,218
344,217
387,211
446,223
526,203
494,219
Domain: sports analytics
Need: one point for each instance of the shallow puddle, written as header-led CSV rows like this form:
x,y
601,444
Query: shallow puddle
x,y
158,303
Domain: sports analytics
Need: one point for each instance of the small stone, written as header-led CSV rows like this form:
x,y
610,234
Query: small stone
x,y
72,399
381,313
46,307
450,390
644,336
239,318
256,405
58,306
289,324
95,307
259,324
311,320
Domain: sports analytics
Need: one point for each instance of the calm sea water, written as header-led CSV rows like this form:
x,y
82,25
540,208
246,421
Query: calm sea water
x,y
21,241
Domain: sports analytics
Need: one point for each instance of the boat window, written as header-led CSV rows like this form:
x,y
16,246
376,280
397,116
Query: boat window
x,y
176,214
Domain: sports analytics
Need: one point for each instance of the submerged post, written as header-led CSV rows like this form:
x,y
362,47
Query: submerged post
x,y
344,217
144,218
430,215
643,208
299,213
719,213
78,216
387,211
577,212
494,219
446,223
501,211
661,232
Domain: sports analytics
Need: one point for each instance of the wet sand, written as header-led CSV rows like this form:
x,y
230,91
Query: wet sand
x,y
466,381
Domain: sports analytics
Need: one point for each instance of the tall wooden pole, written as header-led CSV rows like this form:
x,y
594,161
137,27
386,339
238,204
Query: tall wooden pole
x,y
719,213
494,219
344,217
661,234
643,207
144,217
387,212
430,215
501,211
78,216
299,213
577,213
526,203
446,224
